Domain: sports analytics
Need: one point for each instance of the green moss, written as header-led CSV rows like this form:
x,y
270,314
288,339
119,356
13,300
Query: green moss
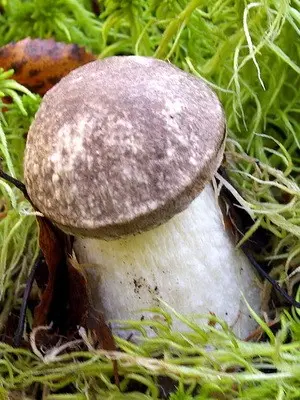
x,y
66,20
17,230
202,363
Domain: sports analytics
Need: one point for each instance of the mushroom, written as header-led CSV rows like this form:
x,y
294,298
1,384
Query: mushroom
x,y
120,155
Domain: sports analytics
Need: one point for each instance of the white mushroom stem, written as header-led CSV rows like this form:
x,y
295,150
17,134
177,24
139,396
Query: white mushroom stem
x,y
190,262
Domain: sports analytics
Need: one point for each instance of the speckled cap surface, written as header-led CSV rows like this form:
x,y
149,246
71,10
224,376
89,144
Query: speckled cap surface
x,y
121,145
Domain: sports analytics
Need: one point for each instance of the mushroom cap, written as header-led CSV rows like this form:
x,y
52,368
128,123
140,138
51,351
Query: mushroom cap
x,y
121,145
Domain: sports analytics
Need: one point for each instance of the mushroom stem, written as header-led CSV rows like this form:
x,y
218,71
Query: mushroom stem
x,y
189,262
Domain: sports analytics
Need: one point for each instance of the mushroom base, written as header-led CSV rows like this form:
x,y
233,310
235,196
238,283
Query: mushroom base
x,y
190,262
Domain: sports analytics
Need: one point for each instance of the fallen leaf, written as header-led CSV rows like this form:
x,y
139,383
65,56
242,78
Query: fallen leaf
x,y
95,323
78,297
64,299
55,259
40,63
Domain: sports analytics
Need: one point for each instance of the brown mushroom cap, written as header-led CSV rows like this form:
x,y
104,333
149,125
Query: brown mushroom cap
x,y
121,145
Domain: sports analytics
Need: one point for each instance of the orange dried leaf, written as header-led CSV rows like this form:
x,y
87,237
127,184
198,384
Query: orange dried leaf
x,y
64,300
95,322
40,63
102,334
54,257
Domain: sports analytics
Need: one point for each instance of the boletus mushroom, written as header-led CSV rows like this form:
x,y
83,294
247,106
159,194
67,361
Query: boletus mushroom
x,y
120,155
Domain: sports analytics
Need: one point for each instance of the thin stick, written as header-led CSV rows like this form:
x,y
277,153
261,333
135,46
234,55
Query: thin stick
x,y
18,184
29,283
265,275
248,253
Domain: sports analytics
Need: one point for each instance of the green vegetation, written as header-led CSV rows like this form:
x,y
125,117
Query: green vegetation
x,y
17,230
201,364
249,53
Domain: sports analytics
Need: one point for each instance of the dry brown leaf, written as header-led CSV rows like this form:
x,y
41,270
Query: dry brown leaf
x,y
64,299
101,332
55,258
40,63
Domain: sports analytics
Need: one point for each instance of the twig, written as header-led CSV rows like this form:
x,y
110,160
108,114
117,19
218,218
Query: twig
x,y
265,275
18,184
29,283
245,246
